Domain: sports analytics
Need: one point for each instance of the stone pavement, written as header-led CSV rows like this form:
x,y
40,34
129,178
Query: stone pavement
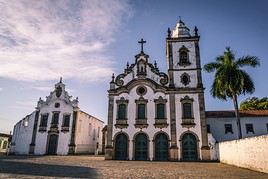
x,y
97,167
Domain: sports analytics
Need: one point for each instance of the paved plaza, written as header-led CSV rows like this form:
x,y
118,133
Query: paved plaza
x,y
97,167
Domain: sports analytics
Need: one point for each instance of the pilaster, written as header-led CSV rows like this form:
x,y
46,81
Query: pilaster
x,y
205,150
170,63
32,145
109,146
72,142
173,148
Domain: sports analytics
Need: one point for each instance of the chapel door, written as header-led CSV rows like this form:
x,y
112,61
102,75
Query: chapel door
x,y
161,147
121,147
189,147
141,147
52,144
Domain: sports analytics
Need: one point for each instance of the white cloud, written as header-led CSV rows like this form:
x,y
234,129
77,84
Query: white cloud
x,y
1,89
43,40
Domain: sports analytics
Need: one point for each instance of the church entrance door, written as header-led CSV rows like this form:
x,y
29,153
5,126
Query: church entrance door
x,y
141,147
161,147
52,144
189,147
121,147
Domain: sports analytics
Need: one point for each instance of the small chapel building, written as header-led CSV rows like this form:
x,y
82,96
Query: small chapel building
x,y
157,116
57,127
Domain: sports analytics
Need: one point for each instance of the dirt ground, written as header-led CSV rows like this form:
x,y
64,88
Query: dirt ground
x,y
97,167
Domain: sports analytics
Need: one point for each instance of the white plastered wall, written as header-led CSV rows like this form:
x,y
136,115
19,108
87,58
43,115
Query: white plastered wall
x,y
131,114
88,134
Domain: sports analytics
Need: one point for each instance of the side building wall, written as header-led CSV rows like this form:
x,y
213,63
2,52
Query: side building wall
x,y
22,135
248,153
88,138
217,127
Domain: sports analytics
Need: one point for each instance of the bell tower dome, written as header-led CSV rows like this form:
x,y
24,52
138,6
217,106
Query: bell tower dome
x,y
183,57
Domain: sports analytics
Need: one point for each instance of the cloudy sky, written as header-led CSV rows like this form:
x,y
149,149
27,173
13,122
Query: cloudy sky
x,y
86,41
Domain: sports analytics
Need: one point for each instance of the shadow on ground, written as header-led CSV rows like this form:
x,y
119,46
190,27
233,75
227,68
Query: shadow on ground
x,y
19,167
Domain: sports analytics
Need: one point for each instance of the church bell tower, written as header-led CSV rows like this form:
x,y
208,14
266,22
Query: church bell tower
x,y
185,81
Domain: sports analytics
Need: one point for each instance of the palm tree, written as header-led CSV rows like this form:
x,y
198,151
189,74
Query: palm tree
x,y
231,80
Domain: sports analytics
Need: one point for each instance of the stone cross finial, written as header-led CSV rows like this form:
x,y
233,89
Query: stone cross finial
x,y
195,31
141,42
169,33
60,79
112,78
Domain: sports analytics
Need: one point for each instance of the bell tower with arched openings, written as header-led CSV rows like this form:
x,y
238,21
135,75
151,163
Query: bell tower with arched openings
x,y
186,88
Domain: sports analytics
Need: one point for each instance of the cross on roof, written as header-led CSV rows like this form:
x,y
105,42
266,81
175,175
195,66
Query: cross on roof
x,y
141,42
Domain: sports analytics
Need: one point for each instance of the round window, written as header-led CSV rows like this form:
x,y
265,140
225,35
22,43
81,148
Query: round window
x,y
57,105
141,90
185,79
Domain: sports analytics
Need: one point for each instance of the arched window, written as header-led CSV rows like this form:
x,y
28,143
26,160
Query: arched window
x,y
184,57
121,111
187,110
160,111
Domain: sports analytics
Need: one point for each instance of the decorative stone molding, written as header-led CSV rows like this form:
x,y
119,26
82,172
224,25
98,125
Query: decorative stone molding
x,y
188,123
121,123
141,90
161,123
119,80
141,123
65,129
185,79
42,129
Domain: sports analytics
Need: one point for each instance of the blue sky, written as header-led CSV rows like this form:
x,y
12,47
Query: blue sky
x,y
86,41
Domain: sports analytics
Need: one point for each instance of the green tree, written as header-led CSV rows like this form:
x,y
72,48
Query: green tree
x,y
230,79
254,103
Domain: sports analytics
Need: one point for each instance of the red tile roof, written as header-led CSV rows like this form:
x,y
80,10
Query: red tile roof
x,y
249,113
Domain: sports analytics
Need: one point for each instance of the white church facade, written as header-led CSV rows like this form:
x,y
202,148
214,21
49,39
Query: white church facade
x,y
158,116
57,126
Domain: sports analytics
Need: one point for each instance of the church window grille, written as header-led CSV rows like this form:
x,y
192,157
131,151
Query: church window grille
x,y
160,111
66,121
228,128
122,111
55,118
43,122
5,144
208,128
187,108
141,111
249,128
160,108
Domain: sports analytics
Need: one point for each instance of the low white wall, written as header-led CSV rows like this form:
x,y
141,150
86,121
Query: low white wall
x,y
251,153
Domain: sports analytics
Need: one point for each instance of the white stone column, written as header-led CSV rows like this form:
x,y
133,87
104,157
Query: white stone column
x,y
130,150
151,150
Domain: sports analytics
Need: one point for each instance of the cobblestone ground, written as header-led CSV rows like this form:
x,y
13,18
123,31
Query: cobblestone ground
x,y
97,167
